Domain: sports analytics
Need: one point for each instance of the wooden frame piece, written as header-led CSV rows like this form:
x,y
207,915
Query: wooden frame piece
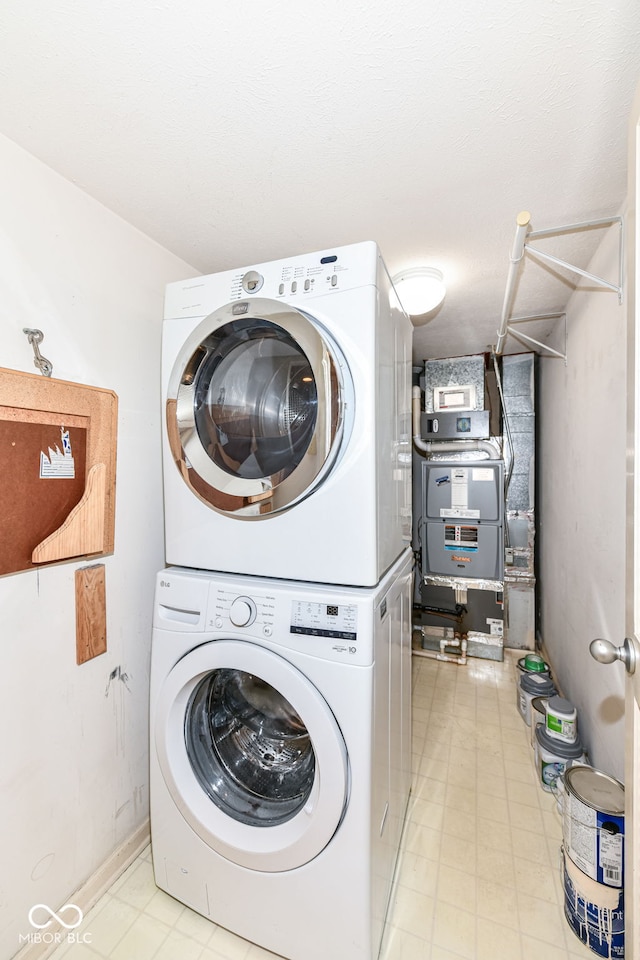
x,y
91,613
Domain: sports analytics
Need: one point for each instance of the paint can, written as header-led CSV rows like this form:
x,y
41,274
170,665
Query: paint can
x,y
538,715
594,912
593,824
553,757
532,685
561,720
533,663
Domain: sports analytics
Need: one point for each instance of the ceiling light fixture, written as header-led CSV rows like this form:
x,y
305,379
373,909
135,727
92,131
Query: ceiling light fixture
x,y
420,289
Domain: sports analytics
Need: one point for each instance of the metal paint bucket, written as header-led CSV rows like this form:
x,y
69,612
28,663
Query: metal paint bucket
x,y
594,912
593,824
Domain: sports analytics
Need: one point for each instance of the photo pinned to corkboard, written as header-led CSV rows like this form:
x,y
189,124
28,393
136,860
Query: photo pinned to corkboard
x,y
58,456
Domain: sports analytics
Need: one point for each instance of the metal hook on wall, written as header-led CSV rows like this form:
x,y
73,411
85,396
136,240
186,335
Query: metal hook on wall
x,y
35,337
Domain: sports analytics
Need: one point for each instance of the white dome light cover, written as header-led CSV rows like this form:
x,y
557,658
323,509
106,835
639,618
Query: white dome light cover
x,y
420,289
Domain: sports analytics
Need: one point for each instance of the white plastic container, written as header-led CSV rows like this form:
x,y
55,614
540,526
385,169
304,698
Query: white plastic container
x,y
561,720
538,715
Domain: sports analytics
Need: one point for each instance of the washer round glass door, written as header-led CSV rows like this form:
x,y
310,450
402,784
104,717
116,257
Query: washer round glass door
x,y
251,754
255,408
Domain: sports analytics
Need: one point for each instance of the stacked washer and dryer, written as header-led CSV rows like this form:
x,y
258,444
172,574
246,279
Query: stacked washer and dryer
x,y
280,681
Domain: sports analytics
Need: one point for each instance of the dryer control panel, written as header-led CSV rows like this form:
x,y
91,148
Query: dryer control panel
x,y
297,278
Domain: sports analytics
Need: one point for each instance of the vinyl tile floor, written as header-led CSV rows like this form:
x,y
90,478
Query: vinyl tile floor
x,y
479,869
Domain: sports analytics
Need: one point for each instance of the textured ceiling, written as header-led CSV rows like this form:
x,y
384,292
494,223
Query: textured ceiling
x,y
234,133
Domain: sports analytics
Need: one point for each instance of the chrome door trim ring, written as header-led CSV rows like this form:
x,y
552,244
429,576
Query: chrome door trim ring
x,y
263,497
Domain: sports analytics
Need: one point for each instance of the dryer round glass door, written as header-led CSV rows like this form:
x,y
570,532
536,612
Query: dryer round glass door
x,y
251,754
256,408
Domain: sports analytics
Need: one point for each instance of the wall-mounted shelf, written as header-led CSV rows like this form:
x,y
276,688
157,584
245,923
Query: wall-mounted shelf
x,y
58,454
522,245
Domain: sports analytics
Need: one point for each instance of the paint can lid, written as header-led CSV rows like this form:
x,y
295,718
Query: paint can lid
x,y
596,789
559,705
559,748
539,684
533,663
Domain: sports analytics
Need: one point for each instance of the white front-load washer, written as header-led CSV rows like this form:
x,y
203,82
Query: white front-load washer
x,y
287,419
280,755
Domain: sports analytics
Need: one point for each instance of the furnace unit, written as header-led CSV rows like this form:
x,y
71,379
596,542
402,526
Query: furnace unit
x,y
462,521
474,492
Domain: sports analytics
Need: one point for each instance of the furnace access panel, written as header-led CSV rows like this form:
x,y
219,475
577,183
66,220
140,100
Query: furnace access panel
x,y
462,514
466,490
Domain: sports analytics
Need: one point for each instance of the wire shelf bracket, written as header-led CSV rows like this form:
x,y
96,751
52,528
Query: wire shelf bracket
x,y
520,246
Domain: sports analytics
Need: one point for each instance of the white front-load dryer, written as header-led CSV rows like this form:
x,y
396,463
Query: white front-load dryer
x,y
287,419
280,755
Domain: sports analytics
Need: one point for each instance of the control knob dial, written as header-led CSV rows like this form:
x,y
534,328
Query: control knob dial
x,y
242,612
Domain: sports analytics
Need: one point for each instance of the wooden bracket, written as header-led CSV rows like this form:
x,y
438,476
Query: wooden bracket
x,y
83,530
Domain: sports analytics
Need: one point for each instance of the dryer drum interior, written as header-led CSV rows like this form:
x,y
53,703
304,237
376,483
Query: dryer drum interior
x,y
256,408
248,747
256,400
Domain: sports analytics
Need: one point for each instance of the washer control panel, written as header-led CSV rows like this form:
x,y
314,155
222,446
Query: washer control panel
x,y
228,609
338,621
317,623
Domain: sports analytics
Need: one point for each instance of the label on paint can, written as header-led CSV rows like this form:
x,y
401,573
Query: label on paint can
x,y
561,720
594,913
594,838
564,729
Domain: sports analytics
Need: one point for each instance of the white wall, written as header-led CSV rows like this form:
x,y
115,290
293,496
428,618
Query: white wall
x,y
582,470
74,767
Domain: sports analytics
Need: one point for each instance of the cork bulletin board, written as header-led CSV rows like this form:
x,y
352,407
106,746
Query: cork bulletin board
x,y
57,470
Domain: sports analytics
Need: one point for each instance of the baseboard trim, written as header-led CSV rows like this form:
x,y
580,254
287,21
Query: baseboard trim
x,y
87,895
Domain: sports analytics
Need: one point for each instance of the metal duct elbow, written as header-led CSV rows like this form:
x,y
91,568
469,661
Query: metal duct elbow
x,y
429,447
459,446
